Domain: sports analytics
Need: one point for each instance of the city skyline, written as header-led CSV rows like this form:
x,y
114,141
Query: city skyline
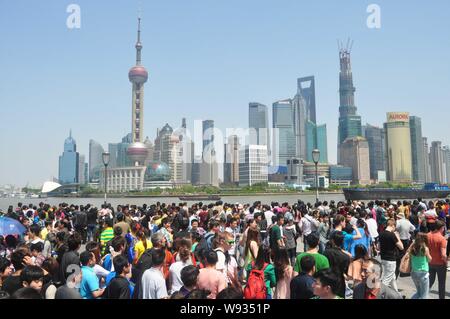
x,y
49,110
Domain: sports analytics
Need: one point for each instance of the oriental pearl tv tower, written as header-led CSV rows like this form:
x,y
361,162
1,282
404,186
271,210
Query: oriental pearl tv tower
x,y
138,75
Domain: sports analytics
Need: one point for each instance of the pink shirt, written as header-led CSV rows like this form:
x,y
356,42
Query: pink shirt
x,y
283,290
212,280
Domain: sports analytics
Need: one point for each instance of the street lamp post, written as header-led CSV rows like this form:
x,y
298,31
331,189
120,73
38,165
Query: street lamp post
x,y
316,159
105,158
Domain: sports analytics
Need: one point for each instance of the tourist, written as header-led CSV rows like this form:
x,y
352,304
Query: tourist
x,y
390,244
189,277
338,258
438,251
141,245
301,286
32,277
211,279
290,238
89,288
234,230
366,238
99,270
71,289
181,260
356,266
226,263
71,257
106,235
309,224
284,273
122,224
262,263
326,285
153,282
252,247
92,215
323,230
405,230
312,241
119,288
420,257
371,286
5,270
276,234
36,253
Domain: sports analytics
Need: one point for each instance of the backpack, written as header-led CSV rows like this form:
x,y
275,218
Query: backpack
x,y
145,262
203,247
81,220
256,285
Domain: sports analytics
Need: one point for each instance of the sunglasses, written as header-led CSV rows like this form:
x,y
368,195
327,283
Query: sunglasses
x,y
230,242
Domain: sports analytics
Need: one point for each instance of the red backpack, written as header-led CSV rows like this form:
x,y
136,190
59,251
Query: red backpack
x,y
256,285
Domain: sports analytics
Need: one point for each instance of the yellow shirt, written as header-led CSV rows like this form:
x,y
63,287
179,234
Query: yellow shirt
x,y
44,233
157,222
139,248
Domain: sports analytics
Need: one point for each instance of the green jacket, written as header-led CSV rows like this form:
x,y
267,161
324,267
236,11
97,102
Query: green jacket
x,y
269,276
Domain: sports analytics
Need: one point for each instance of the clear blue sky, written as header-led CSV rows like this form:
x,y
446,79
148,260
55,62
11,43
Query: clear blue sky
x,y
207,59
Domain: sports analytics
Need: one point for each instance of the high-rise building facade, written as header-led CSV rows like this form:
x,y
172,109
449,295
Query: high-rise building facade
x,y
300,123
283,132
185,150
446,157
349,121
253,165
95,160
316,138
122,151
208,134
437,163
307,89
258,123
418,164
112,149
355,154
162,148
209,166
69,162
375,137
398,147
231,164
81,163
426,160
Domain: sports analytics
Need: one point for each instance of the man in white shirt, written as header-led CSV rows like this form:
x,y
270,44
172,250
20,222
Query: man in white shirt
x,y
153,282
404,228
372,226
309,224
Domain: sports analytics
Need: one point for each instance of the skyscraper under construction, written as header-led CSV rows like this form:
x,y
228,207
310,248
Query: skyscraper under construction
x,y
349,121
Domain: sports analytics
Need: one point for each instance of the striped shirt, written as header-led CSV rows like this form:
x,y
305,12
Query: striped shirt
x,y
106,236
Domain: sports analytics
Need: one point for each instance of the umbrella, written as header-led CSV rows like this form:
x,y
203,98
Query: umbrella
x,y
9,226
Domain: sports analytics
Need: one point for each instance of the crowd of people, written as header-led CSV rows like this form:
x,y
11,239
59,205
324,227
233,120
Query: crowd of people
x,y
225,251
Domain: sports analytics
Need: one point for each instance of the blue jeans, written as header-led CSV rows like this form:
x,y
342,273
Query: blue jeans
x,y
91,231
422,281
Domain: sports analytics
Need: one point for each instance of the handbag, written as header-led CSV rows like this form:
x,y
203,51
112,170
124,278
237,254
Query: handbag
x,y
405,264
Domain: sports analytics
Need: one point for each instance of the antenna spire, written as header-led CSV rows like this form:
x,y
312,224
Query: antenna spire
x,y
138,43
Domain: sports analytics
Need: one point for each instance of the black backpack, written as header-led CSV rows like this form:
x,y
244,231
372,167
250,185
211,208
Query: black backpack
x,y
81,220
203,248
145,262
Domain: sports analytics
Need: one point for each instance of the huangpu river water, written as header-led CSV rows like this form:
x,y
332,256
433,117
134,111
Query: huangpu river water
x,y
139,201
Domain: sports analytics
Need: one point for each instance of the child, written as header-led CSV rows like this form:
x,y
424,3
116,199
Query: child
x,y
36,253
